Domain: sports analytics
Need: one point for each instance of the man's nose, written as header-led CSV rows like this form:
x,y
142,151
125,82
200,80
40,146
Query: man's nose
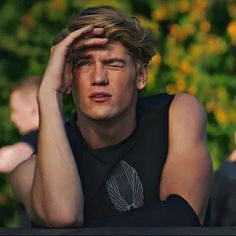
x,y
99,76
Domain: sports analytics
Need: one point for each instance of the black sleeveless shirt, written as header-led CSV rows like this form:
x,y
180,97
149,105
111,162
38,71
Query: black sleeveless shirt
x,y
127,175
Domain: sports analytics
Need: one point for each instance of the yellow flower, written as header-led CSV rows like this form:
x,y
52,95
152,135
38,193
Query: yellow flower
x,y
215,45
156,60
152,71
178,33
198,11
221,116
233,116
160,14
171,88
180,84
231,30
196,51
210,106
184,6
186,68
222,95
205,26
192,89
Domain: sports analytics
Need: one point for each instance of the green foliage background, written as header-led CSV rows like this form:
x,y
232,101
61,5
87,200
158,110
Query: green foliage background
x,y
196,43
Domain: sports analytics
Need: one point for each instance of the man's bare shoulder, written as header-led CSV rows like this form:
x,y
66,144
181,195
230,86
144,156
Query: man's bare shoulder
x,y
187,119
185,103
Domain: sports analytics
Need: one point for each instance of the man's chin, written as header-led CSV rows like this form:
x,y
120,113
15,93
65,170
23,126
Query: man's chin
x,y
100,118
99,113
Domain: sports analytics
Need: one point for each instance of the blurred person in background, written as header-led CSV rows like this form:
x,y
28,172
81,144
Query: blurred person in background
x,y
24,115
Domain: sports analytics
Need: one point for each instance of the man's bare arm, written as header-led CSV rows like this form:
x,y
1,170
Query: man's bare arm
x,y
188,169
53,196
48,185
56,191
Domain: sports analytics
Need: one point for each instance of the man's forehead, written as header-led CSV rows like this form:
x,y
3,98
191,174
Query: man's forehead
x,y
113,48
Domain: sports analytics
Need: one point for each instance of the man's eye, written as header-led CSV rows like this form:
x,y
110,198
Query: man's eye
x,y
82,63
116,64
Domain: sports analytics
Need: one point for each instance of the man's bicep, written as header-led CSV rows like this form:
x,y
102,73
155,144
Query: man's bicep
x,y
188,169
21,179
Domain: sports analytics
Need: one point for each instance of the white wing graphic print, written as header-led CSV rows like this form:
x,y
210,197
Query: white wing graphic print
x,y
115,196
125,188
135,184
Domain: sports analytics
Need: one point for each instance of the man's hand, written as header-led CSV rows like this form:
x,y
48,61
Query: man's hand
x,y
58,74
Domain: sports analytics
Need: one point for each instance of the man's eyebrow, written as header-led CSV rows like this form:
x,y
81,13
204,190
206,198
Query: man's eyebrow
x,y
84,56
80,56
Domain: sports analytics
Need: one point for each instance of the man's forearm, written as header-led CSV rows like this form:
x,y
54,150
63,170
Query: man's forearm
x,y
56,192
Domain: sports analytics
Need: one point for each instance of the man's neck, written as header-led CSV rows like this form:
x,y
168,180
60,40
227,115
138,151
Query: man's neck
x,y
100,134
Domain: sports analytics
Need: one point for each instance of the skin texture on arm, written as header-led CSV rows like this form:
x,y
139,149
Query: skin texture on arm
x,y
56,191
188,169
12,155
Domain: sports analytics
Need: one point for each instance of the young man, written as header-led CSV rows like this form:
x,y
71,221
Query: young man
x,y
24,114
116,163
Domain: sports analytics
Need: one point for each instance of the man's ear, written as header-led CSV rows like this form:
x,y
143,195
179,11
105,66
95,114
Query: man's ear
x,y
142,78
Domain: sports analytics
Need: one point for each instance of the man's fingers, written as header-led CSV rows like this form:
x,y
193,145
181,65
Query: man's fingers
x,y
96,31
86,32
83,44
89,42
69,39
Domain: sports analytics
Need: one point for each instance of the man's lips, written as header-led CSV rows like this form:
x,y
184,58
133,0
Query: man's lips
x,y
99,96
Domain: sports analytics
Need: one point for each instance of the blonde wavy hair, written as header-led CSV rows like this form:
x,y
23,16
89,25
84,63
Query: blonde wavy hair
x,y
117,27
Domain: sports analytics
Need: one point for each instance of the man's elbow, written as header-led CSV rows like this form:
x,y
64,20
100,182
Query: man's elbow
x,y
59,220
56,218
65,221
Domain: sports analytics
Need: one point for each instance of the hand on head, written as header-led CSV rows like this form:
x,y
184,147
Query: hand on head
x,y
58,75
